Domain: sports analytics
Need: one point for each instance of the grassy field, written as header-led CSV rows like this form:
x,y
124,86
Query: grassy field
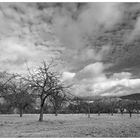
x,y
70,125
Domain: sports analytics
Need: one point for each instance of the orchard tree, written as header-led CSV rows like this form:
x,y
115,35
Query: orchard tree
x,y
113,104
20,95
98,105
130,106
58,99
45,82
5,78
137,106
121,106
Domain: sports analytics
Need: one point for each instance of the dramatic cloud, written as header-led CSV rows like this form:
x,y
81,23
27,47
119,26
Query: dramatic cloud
x,y
88,20
135,32
95,44
75,24
25,37
93,72
92,81
87,77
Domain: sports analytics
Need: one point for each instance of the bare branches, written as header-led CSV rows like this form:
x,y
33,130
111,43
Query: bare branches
x,y
5,79
42,82
19,94
43,79
45,82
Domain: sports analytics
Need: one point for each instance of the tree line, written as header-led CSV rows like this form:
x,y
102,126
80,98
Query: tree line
x,y
22,92
42,91
108,105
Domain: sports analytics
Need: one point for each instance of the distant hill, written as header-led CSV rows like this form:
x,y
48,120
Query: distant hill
x,y
93,98
89,98
135,96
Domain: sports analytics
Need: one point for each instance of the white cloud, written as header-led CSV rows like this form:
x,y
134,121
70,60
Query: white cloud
x,y
67,76
26,34
128,83
93,81
91,71
122,75
14,54
87,77
74,26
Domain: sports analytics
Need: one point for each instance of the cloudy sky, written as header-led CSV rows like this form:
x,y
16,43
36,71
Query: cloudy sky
x,y
96,45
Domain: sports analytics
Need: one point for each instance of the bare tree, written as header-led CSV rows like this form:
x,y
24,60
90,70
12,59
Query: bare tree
x,y
5,78
130,106
44,82
58,99
113,105
98,105
137,106
121,106
20,94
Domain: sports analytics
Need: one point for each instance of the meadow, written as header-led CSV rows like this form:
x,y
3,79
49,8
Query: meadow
x,y
70,125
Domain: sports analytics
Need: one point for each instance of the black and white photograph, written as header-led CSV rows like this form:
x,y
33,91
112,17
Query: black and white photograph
x,y
69,69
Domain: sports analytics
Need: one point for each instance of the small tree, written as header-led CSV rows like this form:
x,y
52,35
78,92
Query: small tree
x,y
58,99
130,106
112,104
121,106
45,82
5,78
98,105
20,95
137,106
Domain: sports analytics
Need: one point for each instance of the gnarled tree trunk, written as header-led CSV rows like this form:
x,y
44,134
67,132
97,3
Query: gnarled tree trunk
x,y
41,110
41,114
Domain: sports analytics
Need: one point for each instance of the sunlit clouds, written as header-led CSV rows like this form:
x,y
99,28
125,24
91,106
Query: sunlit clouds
x,y
96,45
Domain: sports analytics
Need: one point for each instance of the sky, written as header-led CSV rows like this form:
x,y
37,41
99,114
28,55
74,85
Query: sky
x,y
96,45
